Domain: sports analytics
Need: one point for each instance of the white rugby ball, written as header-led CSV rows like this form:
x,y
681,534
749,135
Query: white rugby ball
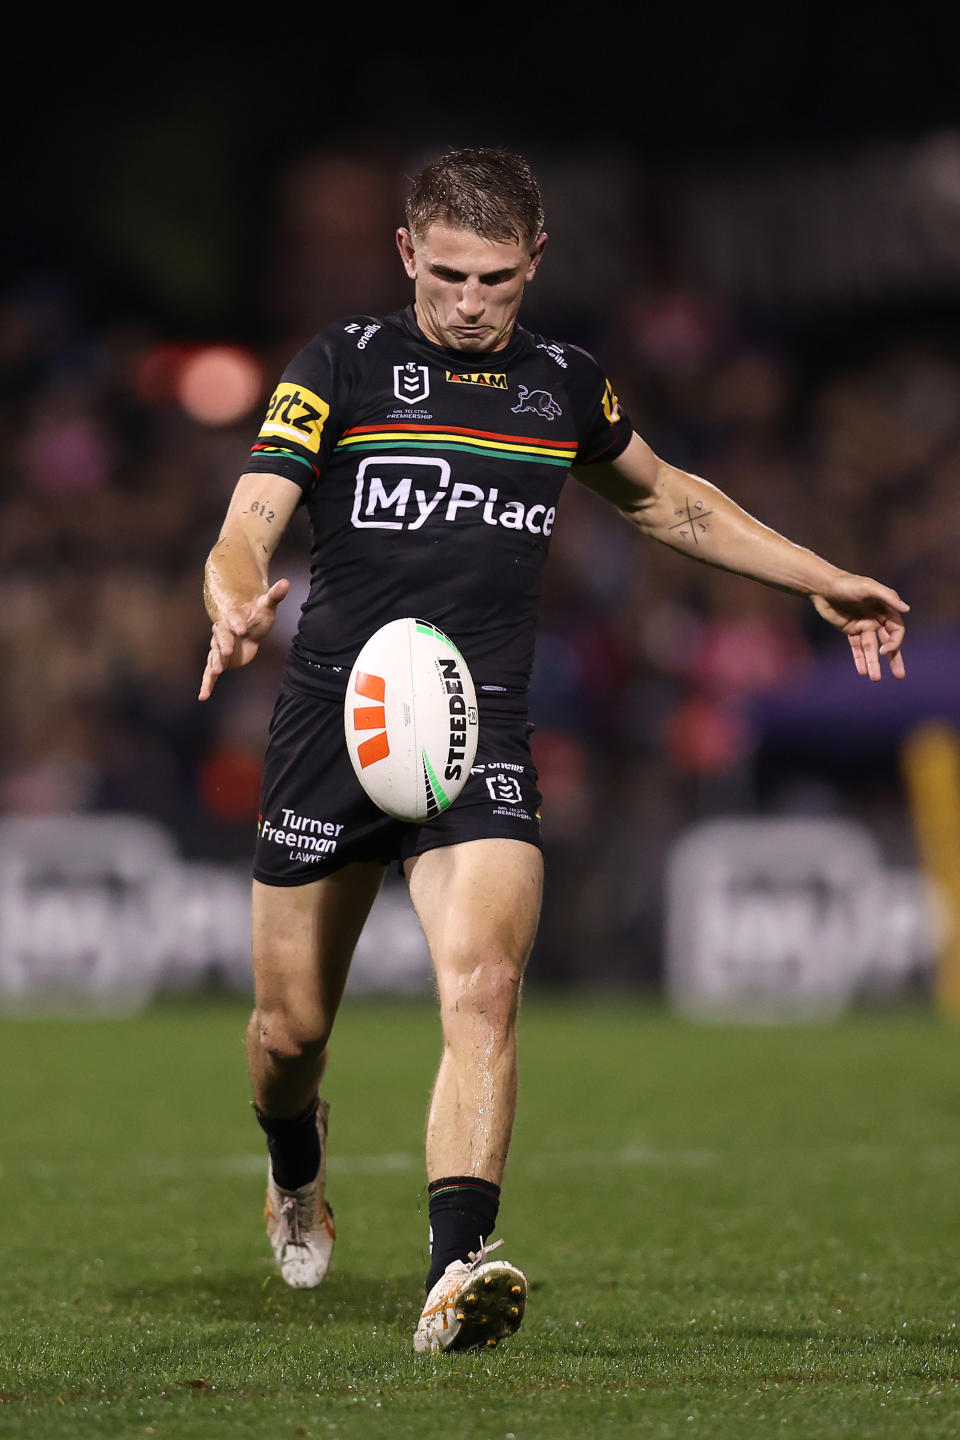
x,y
410,718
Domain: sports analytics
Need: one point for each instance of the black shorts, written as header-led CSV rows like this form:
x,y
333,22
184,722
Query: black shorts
x,y
315,816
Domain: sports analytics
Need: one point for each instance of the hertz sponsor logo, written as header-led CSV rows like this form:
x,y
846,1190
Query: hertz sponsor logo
x,y
491,380
297,414
611,405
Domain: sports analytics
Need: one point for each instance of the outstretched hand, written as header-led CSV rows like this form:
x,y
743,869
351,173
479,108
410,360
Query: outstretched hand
x,y
237,635
871,617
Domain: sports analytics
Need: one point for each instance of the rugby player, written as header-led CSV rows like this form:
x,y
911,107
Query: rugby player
x,y
429,447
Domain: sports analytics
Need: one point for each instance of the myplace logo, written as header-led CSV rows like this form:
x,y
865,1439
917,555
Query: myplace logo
x,y
392,498
402,492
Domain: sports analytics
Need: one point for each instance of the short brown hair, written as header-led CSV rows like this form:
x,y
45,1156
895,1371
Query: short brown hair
x,y
492,192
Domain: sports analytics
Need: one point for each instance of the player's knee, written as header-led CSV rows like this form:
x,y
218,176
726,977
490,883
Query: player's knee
x,y
289,1038
488,990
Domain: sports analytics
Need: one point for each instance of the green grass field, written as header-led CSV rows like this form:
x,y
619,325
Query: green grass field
x,y
728,1233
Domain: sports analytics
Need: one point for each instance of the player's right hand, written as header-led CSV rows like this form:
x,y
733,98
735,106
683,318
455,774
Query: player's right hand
x,y
237,635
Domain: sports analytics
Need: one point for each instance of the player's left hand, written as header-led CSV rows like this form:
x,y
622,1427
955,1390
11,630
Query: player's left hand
x,y
871,617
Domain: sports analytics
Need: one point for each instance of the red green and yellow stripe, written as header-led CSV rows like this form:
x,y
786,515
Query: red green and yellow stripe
x,y
266,451
455,437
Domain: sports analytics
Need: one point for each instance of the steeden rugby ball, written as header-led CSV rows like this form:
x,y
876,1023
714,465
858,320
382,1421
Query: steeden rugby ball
x,y
410,718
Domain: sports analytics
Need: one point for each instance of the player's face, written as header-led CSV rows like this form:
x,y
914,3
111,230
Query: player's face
x,y
467,290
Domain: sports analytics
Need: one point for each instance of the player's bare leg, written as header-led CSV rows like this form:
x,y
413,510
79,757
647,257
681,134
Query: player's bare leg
x,y
479,904
303,940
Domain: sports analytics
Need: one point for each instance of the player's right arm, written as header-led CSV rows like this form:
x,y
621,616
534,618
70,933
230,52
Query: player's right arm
x,y
241,602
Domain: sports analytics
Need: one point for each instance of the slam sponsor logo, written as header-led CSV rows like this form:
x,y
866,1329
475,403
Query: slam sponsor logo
x,y
486,378
400,492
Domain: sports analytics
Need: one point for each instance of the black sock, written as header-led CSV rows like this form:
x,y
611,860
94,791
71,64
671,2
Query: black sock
x,y
294,1147
463,1212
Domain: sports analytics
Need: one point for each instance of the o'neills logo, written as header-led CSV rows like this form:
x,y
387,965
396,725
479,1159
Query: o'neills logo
x,y
371,717
477,377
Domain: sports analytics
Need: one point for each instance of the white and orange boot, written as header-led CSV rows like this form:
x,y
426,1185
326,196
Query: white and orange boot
x,y
300,1222
476,1303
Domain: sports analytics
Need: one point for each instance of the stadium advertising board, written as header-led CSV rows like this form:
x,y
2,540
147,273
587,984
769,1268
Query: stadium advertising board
x,y
766,920
791,919
99,912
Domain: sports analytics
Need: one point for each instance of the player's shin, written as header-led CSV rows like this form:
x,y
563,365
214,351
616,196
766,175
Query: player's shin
x,y
294,1146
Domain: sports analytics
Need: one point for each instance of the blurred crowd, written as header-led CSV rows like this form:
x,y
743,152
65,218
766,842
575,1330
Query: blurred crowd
x,y
663,690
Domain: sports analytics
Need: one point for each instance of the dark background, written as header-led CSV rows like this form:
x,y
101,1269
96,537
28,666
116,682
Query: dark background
x,y
162,123
755,224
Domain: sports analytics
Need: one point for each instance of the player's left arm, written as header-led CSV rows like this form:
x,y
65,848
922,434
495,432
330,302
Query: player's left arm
x,y
695,518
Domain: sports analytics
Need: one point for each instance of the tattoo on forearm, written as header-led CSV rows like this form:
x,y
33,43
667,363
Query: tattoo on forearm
x,y
694,518
261,508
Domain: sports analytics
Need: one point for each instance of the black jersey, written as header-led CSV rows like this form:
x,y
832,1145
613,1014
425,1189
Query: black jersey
x,y
431,478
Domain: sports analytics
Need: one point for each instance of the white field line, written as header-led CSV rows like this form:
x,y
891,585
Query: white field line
x,y
336,1164
629,1157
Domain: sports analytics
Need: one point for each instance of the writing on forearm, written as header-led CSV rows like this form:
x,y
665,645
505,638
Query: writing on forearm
x,y
691,518
261,508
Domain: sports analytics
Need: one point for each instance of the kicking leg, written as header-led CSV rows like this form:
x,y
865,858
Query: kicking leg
x,y
303,941
479,904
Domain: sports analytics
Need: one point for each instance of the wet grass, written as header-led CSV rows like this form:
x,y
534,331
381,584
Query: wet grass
x,y
728,1234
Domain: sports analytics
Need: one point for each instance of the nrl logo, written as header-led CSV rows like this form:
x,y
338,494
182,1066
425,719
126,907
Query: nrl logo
x,y
411,382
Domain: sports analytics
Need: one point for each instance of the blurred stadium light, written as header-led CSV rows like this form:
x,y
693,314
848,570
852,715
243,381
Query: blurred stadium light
x,y
215,384
776,292
220,385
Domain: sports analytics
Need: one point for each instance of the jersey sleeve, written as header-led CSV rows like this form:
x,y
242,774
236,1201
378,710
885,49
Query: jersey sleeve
x,y
304,416
603,430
